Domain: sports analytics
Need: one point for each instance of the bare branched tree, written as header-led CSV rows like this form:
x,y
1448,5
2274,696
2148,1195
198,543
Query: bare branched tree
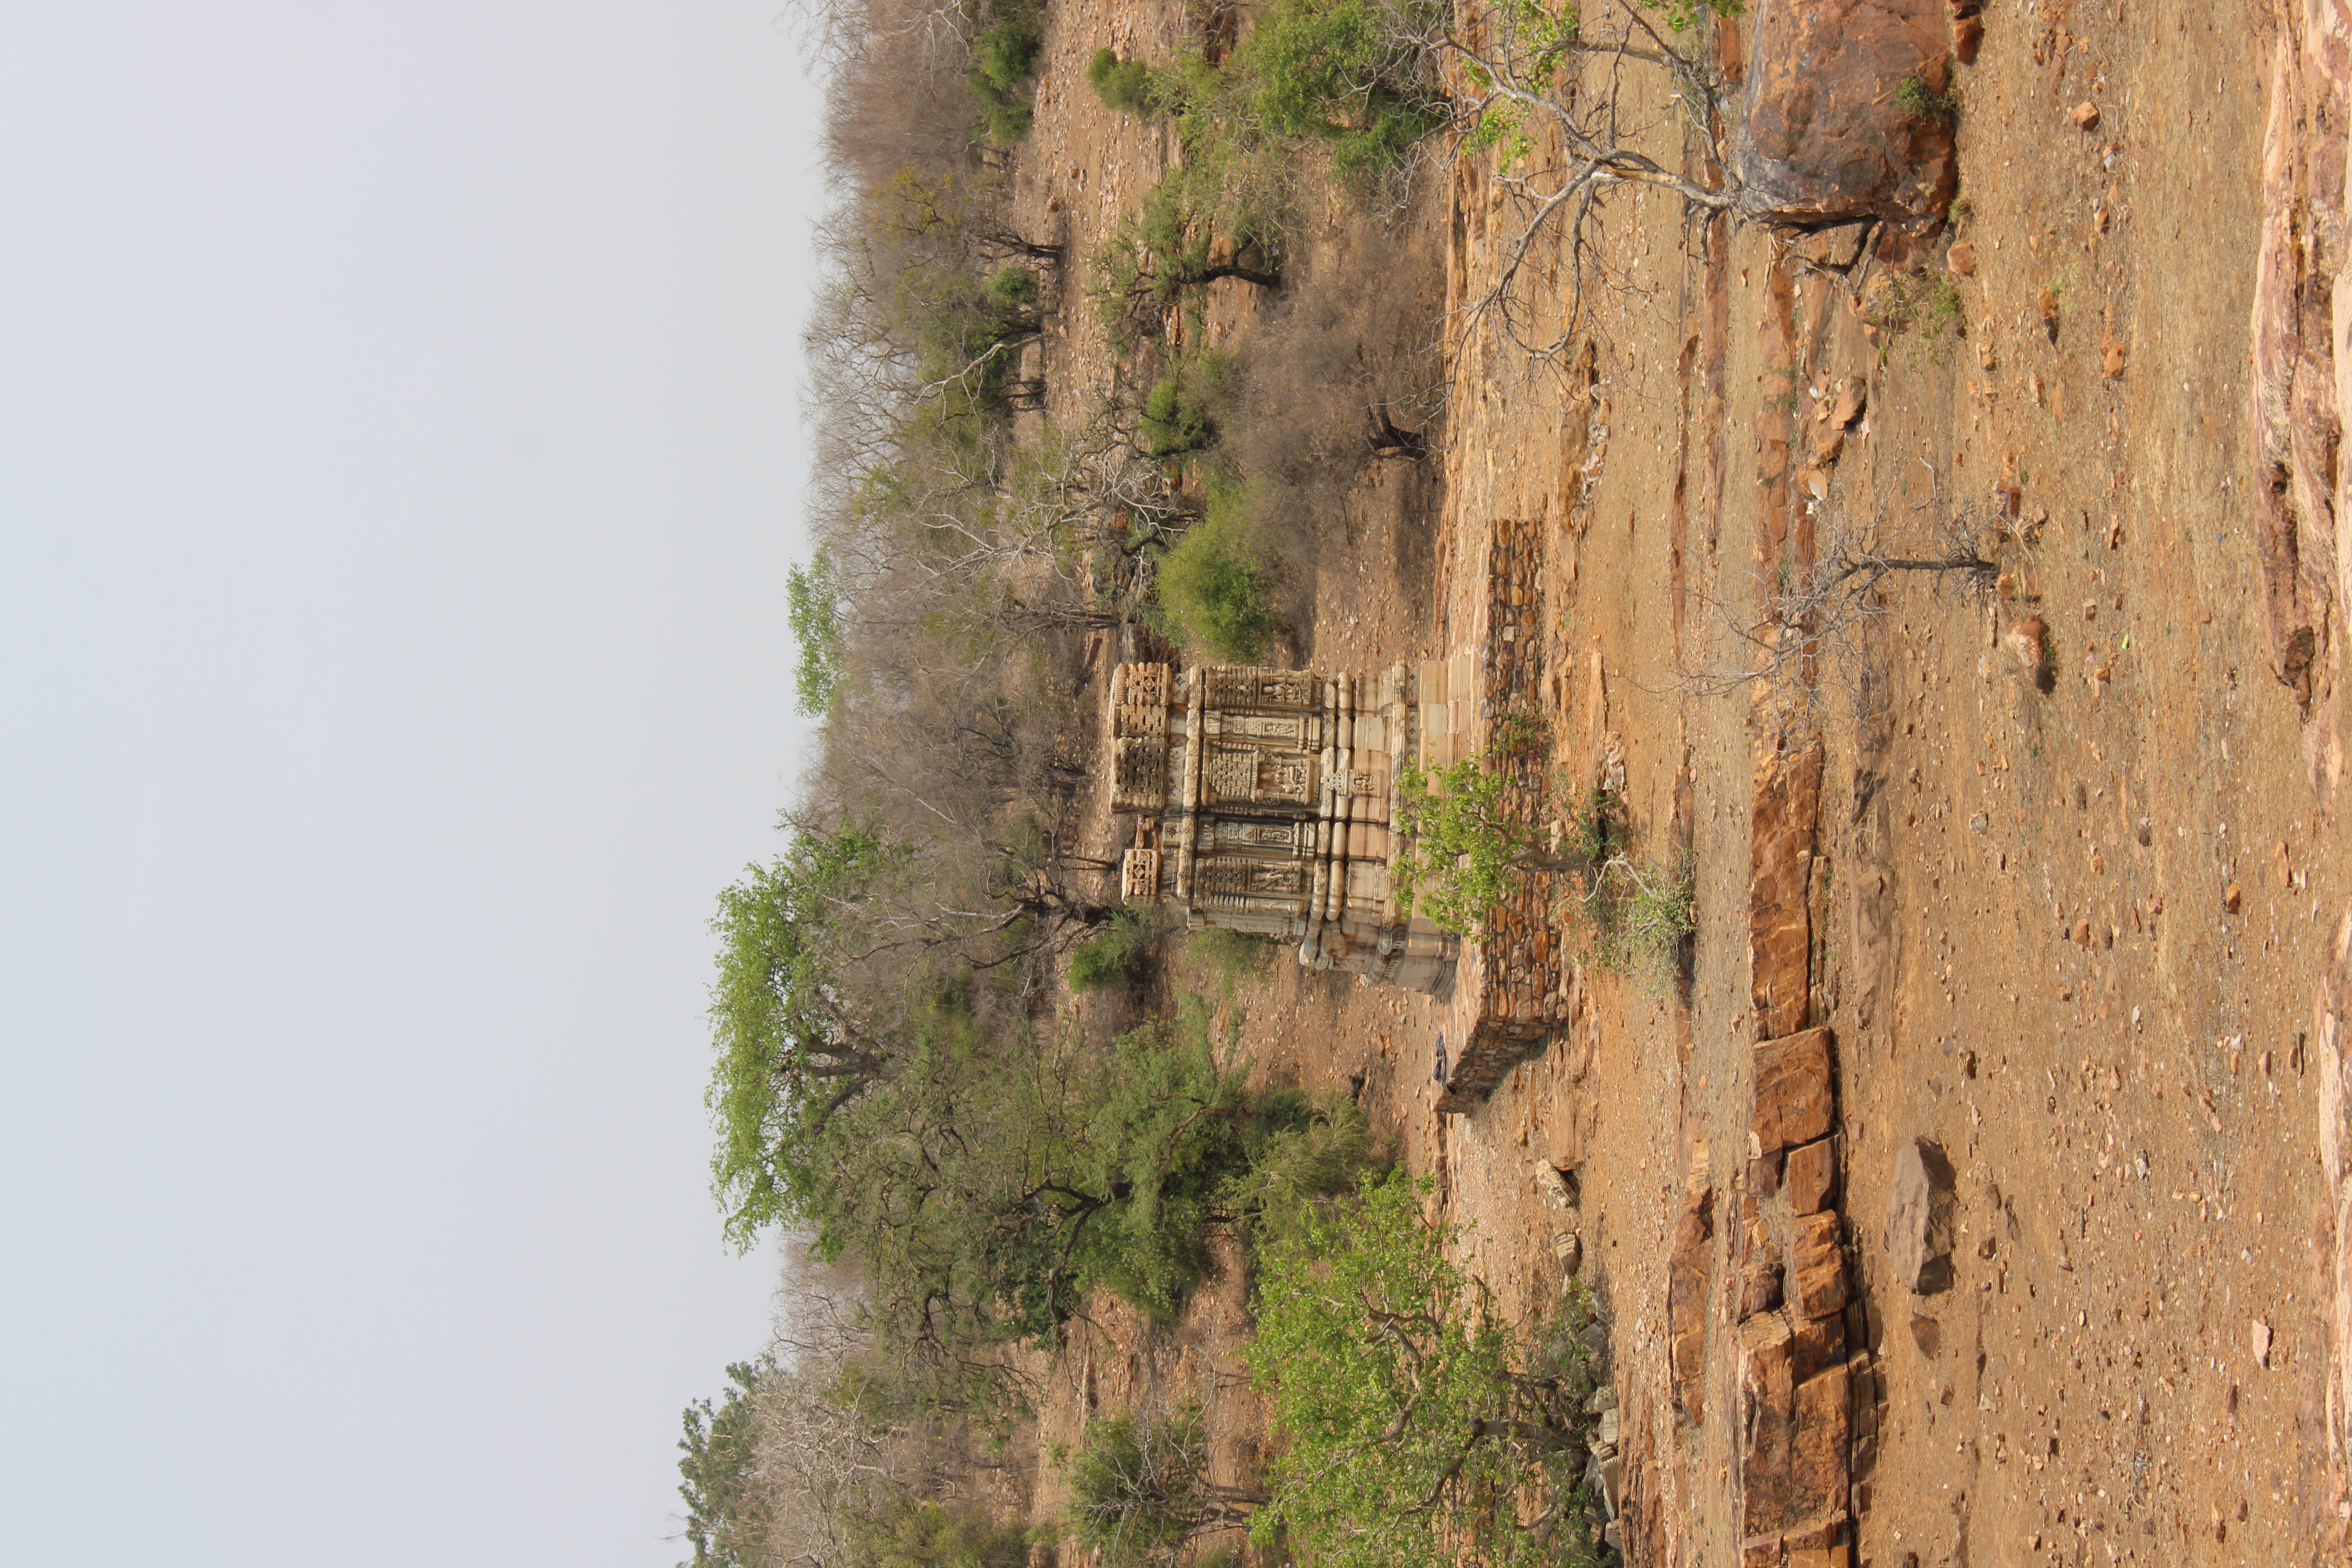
x,y
1810,631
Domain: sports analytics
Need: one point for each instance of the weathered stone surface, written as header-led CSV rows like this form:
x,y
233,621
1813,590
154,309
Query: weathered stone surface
x,y
1794,1102
1690,1275
1763,1552
1816,1345
1821,132
2301,307
1816,1533
1817,1286
1766,1432
1760,1286
1817,1469
2331,1040
1780,925
1811,1176
2028,642
1919,1214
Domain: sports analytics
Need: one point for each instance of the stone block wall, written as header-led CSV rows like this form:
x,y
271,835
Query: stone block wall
x,y
1802,1381
1514,978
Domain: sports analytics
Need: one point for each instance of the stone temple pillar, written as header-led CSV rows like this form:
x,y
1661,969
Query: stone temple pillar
x,y
1263,798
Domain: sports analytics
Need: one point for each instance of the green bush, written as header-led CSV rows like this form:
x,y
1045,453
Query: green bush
x,y
1126,86
1920,101
1011,289
1231,955
1215,588
1637,917
1180,411
1116,957
1345,72
1003,56
904,1532
1173,422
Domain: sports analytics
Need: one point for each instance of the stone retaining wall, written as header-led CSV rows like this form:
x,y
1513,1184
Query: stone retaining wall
x,y
1514,984
1804,1388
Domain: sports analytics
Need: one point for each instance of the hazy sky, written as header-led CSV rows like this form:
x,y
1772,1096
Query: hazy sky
x,y
397,469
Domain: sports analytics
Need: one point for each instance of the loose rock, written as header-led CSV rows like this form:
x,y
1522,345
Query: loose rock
x,y
1920,1205
2028,642
1821,133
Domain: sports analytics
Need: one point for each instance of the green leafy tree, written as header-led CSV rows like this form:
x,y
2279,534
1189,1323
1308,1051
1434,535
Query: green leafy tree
x,y
724,1499
791,1047
1184,237
985,1189
813,611
1414,1421
1463,842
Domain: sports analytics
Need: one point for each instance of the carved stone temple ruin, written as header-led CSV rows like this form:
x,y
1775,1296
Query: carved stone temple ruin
x,y
1263,797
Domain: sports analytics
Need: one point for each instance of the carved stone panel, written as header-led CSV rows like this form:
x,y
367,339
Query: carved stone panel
x,y
1262,691
1138,773
1138,700
1223,875
1139,878
1247,776
1249,836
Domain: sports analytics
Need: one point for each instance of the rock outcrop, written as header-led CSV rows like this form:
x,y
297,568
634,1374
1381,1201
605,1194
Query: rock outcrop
x,y
2331,1036
1779,917
2303,308
1690,1278
1824,134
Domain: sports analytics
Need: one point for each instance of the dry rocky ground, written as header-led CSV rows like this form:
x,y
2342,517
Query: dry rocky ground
x,y
2070,936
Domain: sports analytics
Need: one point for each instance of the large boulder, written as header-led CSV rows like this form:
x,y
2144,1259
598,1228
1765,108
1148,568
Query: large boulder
x,y
1920,1202
1824,134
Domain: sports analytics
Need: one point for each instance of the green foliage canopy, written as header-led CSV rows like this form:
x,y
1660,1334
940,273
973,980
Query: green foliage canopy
x,y
790,1053
1409,1423
1215,585
720,1471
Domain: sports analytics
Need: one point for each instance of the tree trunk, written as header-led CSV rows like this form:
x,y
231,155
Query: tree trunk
x,y
1247,274
1388,441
